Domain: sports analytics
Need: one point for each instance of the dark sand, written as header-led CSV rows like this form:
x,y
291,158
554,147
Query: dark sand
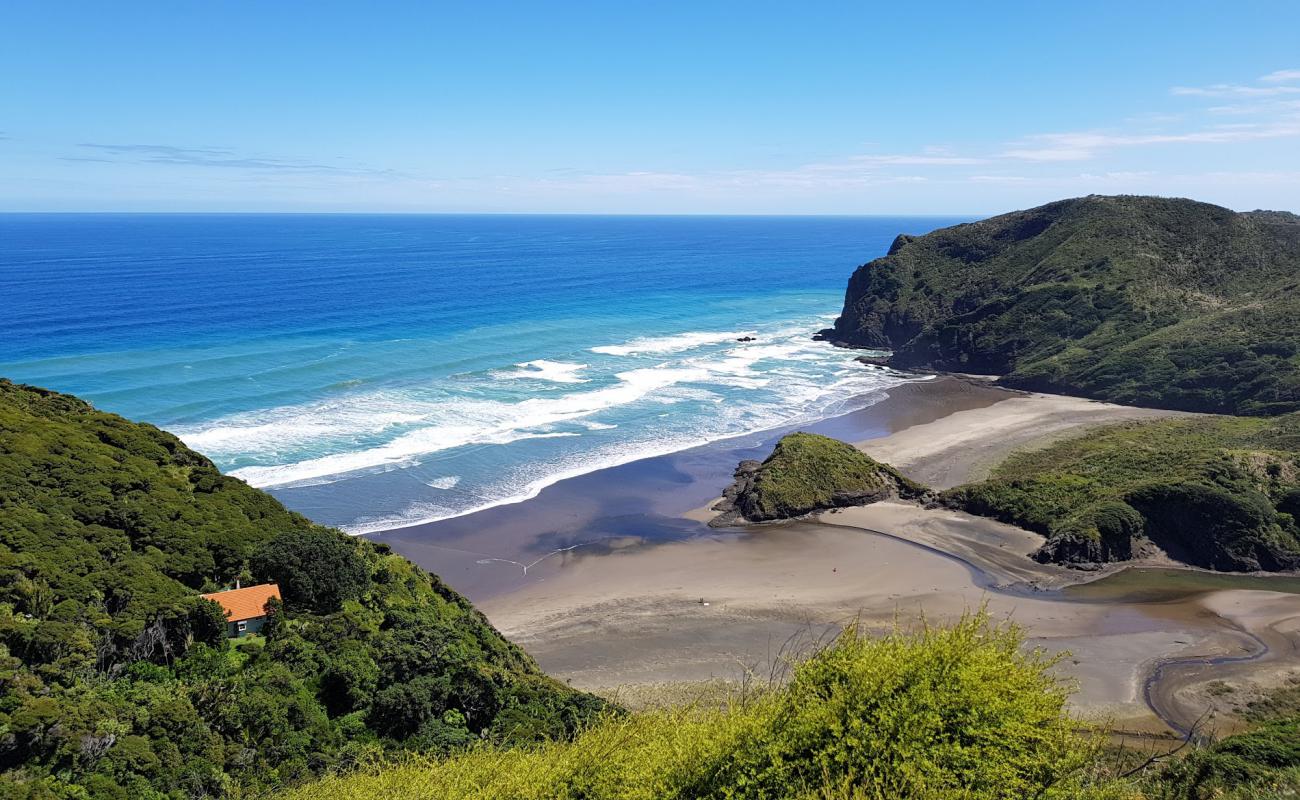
x,y
623,594
484,554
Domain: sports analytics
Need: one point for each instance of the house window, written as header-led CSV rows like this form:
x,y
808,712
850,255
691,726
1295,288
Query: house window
x,y
241,626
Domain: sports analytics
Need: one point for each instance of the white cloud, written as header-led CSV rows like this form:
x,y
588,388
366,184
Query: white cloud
x,y
1282,76
1267,107
1234,90
1080,146
919,160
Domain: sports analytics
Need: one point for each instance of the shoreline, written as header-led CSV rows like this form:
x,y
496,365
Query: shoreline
x,y
656,617
497,549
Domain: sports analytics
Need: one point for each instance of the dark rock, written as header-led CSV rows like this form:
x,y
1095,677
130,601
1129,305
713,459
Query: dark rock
x,y
874,361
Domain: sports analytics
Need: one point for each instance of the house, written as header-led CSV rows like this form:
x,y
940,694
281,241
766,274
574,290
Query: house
x,y
245,608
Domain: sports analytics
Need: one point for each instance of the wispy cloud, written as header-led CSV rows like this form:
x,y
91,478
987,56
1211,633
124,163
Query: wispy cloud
x,y
917,160
1272,87
1085,145
1265,107
214,157
998,179
1234,90
1282,76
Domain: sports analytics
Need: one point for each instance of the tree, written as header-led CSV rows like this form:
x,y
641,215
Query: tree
x,y
208,622
317,570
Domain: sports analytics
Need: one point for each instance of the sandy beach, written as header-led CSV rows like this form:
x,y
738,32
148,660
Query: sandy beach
x,y
640,615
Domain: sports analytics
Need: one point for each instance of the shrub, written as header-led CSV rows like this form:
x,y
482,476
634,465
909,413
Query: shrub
x,y
1248,765
316,570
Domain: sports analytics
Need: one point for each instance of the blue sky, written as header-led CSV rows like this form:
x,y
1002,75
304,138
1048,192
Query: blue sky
x,y
644,107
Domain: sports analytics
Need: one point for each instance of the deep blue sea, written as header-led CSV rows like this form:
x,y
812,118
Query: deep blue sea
x,y
375,371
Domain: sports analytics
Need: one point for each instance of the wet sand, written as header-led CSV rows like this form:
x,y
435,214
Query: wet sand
x,y
731,605
485,554
612,584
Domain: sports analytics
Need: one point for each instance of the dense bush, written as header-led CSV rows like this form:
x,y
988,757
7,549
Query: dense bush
x,y
116,679
316,571
1151,301
1216,492
963,712
1101,532
1211,526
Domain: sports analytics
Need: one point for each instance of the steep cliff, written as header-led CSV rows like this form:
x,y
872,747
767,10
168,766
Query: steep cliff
x,y
1141,300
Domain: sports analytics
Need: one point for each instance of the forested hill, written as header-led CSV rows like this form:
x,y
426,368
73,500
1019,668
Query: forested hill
x,y
116,680
1141,300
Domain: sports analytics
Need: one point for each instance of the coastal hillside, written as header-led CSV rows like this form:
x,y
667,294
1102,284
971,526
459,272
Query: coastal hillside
x,y
1146,301
1216,492
807,472
118,678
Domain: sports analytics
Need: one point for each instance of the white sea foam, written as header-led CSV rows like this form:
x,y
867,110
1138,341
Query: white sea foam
x,y
669,344
422,513
457,423
292,426
739,388
544,370
404,451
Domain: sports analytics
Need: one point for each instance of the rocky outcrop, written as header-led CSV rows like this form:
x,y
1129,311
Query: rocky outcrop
x,y
807,473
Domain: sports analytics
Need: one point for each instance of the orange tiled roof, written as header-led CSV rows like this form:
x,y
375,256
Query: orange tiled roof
x,y
246,603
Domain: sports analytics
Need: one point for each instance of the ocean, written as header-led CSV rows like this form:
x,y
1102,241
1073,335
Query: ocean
x,y
377,371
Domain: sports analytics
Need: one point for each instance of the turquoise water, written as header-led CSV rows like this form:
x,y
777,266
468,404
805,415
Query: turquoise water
x,y
375,371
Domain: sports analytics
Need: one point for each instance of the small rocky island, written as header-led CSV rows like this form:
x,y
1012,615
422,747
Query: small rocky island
x,y
807,473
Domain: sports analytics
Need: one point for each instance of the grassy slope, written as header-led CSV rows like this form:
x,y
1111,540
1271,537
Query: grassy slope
x,y
807,472
1140,300
114,682
1218,492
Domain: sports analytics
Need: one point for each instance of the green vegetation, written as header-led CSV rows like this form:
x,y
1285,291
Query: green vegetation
x,y
1141,300
116,680
1258,765
315,573
807,472
1217,492
952,713
963,713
